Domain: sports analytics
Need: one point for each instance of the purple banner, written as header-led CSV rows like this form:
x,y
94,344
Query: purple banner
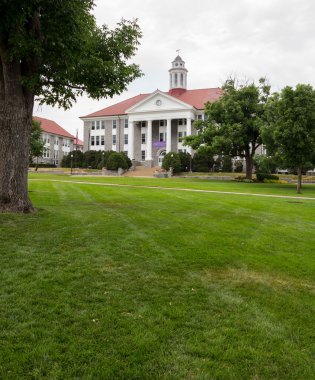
x,y
159,144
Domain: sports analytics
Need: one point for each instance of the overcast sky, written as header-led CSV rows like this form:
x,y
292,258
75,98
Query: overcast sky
x,y
217,38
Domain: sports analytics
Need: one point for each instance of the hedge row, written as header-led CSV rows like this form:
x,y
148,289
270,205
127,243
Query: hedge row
x,y
96,160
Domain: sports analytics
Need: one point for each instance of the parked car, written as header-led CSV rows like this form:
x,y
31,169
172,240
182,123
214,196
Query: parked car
x,y
282,171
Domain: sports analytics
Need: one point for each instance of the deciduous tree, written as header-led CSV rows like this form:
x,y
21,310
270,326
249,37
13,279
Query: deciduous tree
x,y
37,145
52,50
290,132
233,123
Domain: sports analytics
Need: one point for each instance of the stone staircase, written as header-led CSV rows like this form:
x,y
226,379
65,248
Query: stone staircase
x,y
141,171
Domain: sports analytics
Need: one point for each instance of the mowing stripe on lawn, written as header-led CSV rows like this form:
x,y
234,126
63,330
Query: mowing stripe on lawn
x,y
177,189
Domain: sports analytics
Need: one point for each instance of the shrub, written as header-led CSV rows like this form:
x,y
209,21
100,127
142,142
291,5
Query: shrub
x,y
32,165
265,164
116,161
238,166
129,162
77,159
105,156
171,160
227,164
203,160
242,178
262,176
92,159
185,161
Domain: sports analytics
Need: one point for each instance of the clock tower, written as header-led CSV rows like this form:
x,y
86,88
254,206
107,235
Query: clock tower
x,y
178,74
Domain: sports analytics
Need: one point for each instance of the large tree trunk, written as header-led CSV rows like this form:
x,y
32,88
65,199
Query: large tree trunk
x,y
249,166
16,107
299,181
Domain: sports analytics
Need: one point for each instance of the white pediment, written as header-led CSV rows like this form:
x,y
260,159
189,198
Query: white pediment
x,y
157,102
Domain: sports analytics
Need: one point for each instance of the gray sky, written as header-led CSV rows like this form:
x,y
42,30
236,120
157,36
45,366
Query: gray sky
x,y
217,38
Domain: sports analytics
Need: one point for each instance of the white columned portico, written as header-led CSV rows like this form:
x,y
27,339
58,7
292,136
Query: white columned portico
x,y
149,140
188,131
168,135
131,140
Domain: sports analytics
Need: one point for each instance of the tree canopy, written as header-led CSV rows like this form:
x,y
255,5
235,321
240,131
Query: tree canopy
x,y
232,125
61,52
290,132
37,145
54,51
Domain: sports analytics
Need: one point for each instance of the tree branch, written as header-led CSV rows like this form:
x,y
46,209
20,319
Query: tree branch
x,y
62,84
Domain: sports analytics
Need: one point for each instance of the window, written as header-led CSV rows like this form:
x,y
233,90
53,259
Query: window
x,y
97,140
114,124
143,155
175,80
93,125
162,136
181,135
162,123
199,117
103,124
182,80
98,124
46,140
102,140
142,138
126,152
125,139
181,121
46,153
56,141
126,123
114,139
92,140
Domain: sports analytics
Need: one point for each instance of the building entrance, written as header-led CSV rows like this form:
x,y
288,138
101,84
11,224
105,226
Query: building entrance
x,y
161,156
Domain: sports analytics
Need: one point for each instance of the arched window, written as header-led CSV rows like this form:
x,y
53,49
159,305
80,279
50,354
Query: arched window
x,y
182,80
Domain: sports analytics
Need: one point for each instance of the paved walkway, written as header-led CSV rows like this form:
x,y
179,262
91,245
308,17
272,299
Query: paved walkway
x,y
141,171
177,189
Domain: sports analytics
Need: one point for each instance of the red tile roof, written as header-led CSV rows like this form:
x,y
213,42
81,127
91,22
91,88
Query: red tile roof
x,y
50,126
196,98
118,108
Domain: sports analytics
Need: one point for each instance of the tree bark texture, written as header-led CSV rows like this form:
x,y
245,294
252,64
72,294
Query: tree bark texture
x,y
16,107
249,166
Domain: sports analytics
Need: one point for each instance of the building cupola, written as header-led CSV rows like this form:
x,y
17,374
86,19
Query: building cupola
x,y
178,74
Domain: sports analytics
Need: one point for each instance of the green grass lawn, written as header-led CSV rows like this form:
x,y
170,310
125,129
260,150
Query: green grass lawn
x,y
107,282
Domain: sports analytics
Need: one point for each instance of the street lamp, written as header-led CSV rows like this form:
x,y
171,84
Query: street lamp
x,y
71,156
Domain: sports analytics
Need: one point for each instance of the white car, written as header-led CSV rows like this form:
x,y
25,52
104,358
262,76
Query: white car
x,y
282,171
